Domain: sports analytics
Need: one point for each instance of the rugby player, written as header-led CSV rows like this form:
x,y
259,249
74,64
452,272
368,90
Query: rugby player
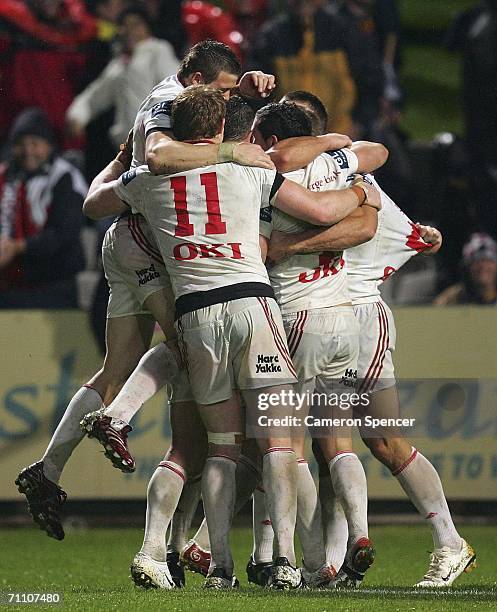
x,y
202,298
395,242
139,285
322,334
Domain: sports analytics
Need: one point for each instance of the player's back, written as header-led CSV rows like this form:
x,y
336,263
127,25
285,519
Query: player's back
x,y
315,280
206,222
396,240
153,115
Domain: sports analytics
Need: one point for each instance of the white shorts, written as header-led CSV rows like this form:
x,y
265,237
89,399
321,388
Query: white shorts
x,y
239,344
376,344
324,346
133,266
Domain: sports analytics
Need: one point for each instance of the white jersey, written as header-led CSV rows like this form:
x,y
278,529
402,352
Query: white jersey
x,y
153,115
314,280
396,240
206,222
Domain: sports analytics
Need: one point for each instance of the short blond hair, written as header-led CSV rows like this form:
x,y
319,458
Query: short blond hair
x,y
197,112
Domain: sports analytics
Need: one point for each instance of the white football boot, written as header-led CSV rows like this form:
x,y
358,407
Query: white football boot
x,y
149,573
447,564
320,578
284,576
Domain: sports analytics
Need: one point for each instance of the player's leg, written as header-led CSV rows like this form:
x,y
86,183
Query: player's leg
x,y
261,559
152,565
196,553
224,425
346,471
423,486
262,341
127,337
414,472
335,527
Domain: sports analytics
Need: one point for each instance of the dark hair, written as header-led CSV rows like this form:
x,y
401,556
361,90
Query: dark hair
x,y
315,107
210,58
239,119
197,112
137,10
283,120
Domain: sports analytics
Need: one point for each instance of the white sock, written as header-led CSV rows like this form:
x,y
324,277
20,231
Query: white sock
x,y
202,536
163,493
309,525
349,483
247,477
156,368
68,433
336,530
421,482
262,551
185,511
279,474
218,494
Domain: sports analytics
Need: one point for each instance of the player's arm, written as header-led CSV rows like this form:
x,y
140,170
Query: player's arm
x,y
432,236
357,228
324,207
264,246
101,200
295,153
167,156
370,155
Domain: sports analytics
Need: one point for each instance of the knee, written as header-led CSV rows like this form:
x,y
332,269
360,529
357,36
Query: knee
x,y
226,444
383,450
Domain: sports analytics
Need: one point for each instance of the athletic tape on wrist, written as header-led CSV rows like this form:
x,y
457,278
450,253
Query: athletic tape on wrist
x,y
230,438
225,152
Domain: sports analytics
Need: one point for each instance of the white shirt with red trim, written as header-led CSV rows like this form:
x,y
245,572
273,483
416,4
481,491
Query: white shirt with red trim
x,y
314,280
206,221
396,240
154,114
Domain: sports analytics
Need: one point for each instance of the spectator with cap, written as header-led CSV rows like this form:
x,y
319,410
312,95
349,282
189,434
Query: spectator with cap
x,y
41,195
479,279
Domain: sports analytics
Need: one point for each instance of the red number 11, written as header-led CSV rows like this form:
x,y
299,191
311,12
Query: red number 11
x,y
214,225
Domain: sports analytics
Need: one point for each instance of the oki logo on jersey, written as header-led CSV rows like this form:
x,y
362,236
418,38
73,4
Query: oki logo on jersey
x,y
190,250
329,265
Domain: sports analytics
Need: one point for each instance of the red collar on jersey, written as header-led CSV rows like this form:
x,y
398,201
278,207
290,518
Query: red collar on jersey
x,y
199,141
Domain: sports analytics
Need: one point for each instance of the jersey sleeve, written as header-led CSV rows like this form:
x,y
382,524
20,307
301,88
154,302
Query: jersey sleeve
x,y
339,165
271,182
127,188
158,118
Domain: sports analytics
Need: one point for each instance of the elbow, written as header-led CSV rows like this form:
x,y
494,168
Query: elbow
x,y
89,210
369,230
153,162
383,154
282,160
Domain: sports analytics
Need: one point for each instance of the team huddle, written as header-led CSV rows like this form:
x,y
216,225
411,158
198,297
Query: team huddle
x,y
258,242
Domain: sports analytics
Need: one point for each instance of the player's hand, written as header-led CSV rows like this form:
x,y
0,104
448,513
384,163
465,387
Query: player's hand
x,y
256,84
373,197
338,141
248,154
432,236
278,248
125,155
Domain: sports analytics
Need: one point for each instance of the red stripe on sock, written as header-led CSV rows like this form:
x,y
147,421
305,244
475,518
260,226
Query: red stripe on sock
x,y
166,464
278,449
404,465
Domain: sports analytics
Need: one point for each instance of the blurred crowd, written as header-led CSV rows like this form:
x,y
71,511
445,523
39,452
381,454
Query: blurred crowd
x,y
73,73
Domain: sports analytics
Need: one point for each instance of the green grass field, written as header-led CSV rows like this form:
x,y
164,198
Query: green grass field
x,y
90,569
